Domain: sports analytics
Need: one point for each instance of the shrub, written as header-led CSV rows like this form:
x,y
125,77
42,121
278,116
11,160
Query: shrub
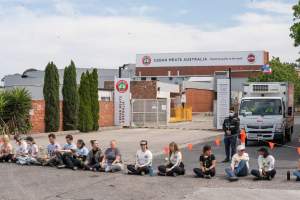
x,y
15,106
70,98
85,118
51,96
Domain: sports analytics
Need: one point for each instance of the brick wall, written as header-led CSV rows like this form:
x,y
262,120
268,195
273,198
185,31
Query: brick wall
x,y
143,89
37,116
200,100
106,116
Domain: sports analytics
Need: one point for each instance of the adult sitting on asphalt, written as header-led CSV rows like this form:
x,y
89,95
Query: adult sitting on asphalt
x,y
6,150
143,163
266,166
239,164
32,153
207,164
112,161
77,158
231,129
174,165
21,149
67,149
297,172
94,157
52,148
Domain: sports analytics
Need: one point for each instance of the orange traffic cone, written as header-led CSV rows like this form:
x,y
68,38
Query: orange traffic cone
x,y
271,144
243,136
190,146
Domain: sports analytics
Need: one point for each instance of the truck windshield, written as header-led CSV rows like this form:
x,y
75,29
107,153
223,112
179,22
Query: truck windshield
x,y
261,107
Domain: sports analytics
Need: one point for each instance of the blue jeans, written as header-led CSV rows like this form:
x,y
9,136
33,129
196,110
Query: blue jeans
x,y
297,174
240,170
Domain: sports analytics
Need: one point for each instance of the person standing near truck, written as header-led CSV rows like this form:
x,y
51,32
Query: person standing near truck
x,y
231,129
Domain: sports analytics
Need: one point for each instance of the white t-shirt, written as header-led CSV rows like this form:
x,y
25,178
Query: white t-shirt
x,y
176,158
51,148
266,164
22,148
144,158
236,159
33,150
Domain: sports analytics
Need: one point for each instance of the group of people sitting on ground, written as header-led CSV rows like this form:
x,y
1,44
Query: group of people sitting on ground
x,y
68,156
79,157
240,165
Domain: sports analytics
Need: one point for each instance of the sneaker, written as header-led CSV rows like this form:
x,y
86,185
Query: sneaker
x,y
257,178
174,174
269,178
74,168
207,176
61,166
51,165
142,173
233,179
160,174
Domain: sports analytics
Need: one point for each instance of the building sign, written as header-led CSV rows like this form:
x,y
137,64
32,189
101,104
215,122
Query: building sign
x,y
122,101
222,101
234,58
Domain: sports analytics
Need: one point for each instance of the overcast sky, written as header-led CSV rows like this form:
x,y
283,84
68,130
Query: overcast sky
x,y
109,33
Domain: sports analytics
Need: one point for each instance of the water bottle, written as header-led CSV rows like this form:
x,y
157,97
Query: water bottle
x,y
151,171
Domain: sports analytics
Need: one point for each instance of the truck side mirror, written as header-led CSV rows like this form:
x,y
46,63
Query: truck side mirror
x,y
290,111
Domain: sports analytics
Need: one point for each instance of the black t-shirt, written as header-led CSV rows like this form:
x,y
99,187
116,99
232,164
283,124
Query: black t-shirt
x,y
207,160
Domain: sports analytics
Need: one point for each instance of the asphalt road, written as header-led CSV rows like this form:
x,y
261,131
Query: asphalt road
x,y
34,182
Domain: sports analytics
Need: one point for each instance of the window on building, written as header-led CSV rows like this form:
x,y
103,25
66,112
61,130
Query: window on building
x,y
153,78
143,78
106,99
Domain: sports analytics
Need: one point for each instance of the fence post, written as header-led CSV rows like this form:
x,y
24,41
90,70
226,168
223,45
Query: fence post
x,y
157,113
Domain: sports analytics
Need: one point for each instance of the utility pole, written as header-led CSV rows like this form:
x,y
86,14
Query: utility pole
x,y
121,68
229,76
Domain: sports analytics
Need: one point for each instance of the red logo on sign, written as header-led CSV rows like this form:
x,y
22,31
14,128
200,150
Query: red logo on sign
x,y
251,58
146,60
122,86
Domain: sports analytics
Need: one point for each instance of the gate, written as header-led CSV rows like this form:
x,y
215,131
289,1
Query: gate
x,y
148,112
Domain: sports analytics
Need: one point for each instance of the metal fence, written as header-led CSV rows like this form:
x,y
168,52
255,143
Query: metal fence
x,y
148,112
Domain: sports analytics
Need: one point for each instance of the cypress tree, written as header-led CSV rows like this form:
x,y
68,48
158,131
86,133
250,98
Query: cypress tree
x,y
85,118
70,98
94,98
51,96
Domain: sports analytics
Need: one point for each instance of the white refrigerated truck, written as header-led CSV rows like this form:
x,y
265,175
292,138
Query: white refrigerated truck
x,y
267,111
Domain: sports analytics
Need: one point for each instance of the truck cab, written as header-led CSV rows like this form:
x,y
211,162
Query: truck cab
x,y
266,112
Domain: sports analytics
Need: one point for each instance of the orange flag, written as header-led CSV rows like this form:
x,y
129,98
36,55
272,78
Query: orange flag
x,y
243,136
271,144
166,150
218,141
190,146
298,149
